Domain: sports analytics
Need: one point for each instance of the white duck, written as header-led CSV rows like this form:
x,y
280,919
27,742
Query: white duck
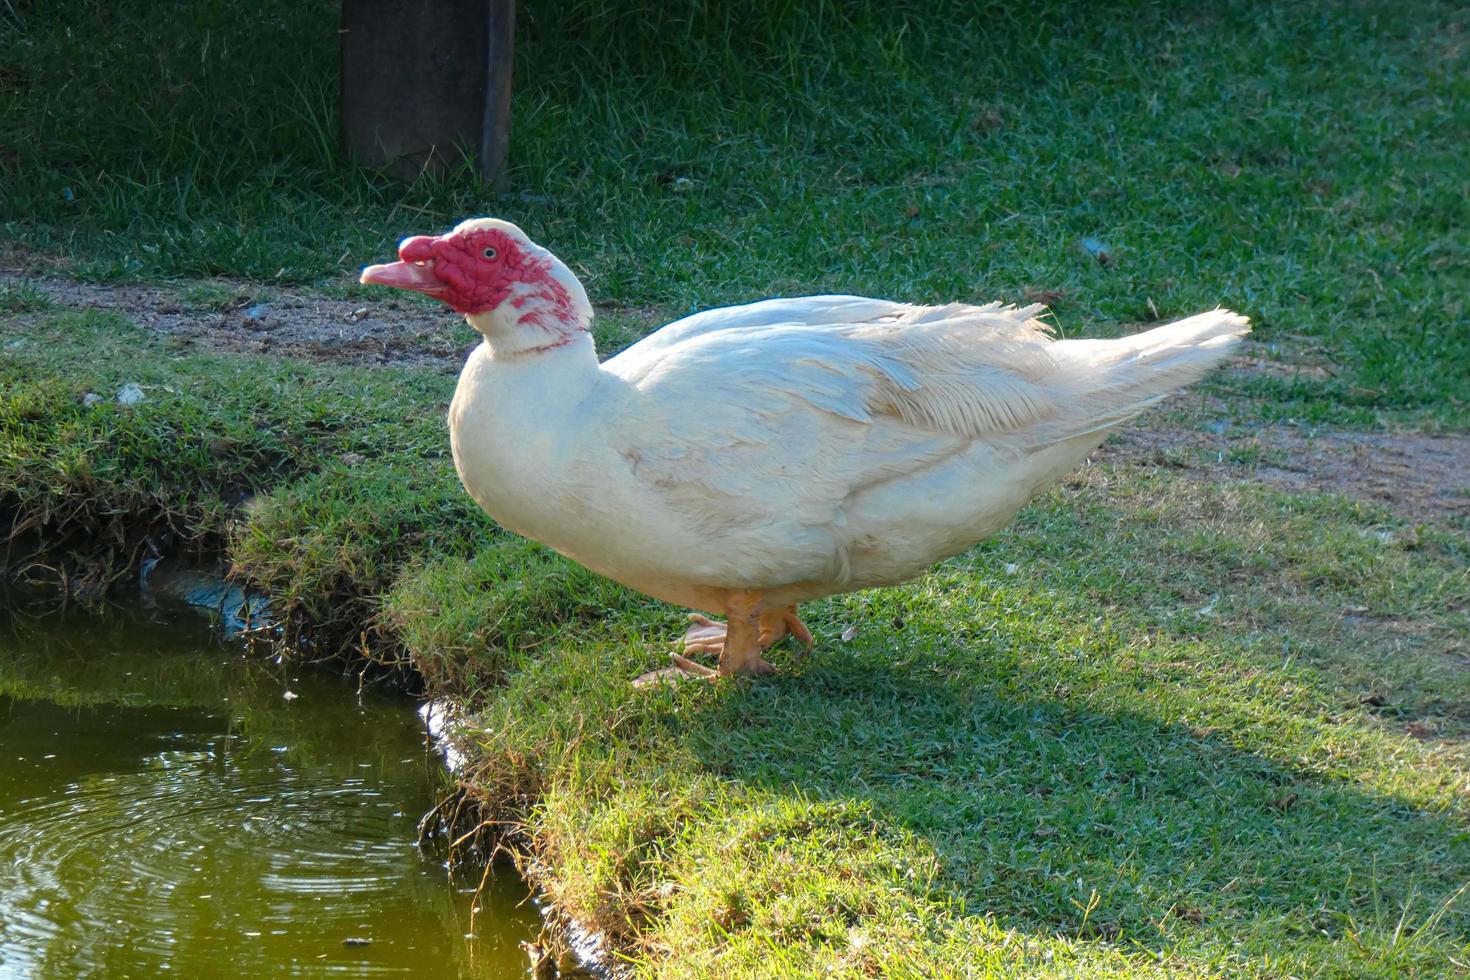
x,y
746,459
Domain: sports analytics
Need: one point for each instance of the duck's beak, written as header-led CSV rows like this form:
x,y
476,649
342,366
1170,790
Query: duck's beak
x,y
418,276
415,271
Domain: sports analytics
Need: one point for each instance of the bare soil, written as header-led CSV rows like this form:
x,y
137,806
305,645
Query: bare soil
x,y
1419,476
221,315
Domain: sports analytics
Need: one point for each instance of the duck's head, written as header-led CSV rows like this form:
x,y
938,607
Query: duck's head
x,y
516,293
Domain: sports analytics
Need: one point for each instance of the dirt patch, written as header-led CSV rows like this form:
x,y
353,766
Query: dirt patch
x,y
220,315
1421,477
246,317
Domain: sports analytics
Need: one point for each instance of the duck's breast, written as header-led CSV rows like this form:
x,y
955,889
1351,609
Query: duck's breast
x,y
564,469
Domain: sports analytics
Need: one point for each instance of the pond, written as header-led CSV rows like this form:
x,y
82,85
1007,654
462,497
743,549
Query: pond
x,y
169,806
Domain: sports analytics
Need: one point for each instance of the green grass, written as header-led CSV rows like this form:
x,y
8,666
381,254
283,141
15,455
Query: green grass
x,y
1300,162
210,294
22,297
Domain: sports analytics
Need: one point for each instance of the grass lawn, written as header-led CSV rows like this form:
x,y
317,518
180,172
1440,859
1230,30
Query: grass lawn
x,y
1303,162
1166,724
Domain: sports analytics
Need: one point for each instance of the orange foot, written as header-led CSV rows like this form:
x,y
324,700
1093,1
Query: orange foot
x,y
738,642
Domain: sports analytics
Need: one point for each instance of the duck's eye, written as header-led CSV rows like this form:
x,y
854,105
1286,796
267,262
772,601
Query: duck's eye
x,y
489,253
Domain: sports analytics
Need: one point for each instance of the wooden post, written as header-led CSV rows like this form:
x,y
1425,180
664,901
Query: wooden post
x,y
500,61
426,84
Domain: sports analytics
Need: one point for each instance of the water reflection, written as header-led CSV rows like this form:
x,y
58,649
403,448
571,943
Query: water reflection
x,y
165,809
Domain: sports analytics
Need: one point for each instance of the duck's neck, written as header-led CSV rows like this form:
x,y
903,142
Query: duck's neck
x,y
560,346
545,311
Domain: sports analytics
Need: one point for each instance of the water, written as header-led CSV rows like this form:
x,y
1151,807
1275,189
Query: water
x,y
167,810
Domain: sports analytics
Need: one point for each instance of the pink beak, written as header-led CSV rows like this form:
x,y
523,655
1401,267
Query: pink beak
x,y
416,274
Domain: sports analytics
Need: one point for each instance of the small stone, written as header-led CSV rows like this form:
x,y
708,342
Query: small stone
x,y
682,185
130,394
1098,249
91,398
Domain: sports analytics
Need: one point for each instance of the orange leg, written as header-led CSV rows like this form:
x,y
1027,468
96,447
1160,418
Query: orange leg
x,y
741,652
706,635
749,630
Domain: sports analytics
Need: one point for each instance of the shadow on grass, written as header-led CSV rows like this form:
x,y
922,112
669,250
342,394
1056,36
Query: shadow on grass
x,y
1039,807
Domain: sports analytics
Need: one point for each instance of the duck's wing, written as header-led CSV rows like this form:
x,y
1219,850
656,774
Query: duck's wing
x,y
760,435
982,372
957,369
811,311
764,438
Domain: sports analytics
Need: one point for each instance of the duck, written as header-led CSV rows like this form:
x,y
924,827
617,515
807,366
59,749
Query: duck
x,y
743,460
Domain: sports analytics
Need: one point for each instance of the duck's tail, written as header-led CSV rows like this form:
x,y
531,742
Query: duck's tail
x,y
1114,380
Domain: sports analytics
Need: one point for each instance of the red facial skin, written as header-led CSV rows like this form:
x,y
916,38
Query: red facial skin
x,y
475,271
